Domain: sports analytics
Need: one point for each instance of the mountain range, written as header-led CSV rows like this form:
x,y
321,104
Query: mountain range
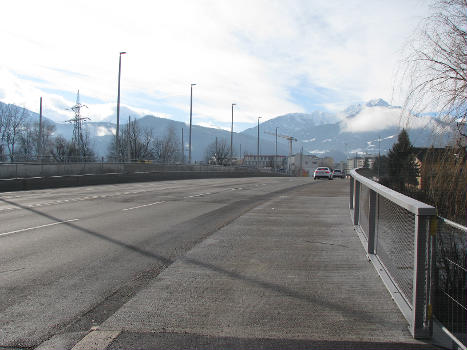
x,y
369,127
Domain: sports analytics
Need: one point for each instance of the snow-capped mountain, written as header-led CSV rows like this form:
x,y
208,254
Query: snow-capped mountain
x,y
367,127
378,102
102,134
298,120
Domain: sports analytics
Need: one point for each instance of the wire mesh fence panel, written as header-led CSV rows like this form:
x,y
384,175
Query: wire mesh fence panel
x,y
395,244
364,209
450,304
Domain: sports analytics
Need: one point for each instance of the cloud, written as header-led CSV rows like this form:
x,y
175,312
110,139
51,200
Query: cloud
x,y
212,125
380,118
318,151
253,53
104,131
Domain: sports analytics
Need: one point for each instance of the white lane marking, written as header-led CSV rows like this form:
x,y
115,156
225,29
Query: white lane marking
x,y
144,205
78,199
8,208
36,227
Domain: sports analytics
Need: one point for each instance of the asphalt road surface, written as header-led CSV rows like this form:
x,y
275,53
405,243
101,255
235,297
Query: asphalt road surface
x,y
70,258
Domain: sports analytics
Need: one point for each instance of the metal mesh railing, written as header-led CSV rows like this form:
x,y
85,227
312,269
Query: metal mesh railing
x,y
395,244
397,229
450,304
364,209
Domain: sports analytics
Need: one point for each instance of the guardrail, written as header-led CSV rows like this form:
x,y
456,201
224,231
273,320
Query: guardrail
x,y
450,282
420,256
397,234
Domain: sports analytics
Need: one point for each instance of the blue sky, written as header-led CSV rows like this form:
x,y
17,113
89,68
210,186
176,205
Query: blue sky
x,y
270,57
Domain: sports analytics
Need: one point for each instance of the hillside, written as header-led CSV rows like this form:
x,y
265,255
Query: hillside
x,y
363,128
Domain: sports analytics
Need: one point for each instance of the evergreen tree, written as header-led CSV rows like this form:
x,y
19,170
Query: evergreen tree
x,y
402,170
380,168
366,163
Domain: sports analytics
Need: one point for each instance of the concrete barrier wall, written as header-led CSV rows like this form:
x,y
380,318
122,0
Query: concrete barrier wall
x,y
9,171
118,173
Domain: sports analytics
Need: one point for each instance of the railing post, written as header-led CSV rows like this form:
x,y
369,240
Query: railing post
x,y
356,212
352,182
372,223
421,326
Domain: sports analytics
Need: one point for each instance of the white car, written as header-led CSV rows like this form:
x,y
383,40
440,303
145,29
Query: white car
x,y
322,172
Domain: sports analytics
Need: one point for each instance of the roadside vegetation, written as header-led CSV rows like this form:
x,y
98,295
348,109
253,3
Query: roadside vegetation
x,y
22,140
436,176
435,68
218,152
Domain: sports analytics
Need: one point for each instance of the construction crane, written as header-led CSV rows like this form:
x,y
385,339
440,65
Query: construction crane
x,y
288,138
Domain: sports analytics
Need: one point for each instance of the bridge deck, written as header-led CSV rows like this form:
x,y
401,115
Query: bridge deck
x,y
290,274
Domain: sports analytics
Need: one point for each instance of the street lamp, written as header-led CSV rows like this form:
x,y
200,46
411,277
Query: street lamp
x,y
39,144
379,156
231,136
257,150
275,158
191,110
118,103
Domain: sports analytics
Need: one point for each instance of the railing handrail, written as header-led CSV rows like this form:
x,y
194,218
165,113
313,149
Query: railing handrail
x,y
414,206
453,224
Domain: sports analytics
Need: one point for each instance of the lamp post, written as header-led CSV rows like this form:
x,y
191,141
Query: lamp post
x,y
118,104
379,156
183,149
231,136
39,144
257,148
129,142
275,157
191,113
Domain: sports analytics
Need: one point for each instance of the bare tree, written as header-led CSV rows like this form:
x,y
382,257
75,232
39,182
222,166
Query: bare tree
x,y
13,118
45,144
84,151
30,146
66,151
135,143
218,152
60,149
436,66
436,71
26,142
3,113
138,142
167,149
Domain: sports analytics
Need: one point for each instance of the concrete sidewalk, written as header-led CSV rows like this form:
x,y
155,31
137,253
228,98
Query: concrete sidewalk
x,y
290,274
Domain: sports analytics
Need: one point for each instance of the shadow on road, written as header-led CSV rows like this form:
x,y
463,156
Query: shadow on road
x,y
349,313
